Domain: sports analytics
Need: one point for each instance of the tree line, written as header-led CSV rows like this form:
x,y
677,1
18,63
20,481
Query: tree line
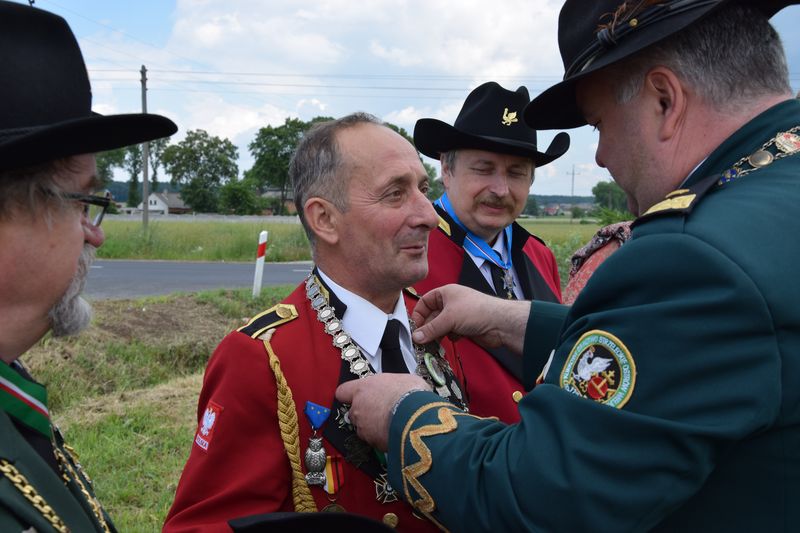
x,y
205,169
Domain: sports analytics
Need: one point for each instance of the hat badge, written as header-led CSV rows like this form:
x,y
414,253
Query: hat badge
x,y
509,118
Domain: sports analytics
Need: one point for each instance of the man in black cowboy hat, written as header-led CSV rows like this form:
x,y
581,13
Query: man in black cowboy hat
x,y
488,159
49,228
669,401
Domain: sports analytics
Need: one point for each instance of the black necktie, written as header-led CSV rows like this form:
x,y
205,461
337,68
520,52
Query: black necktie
x,y
498,276
391,355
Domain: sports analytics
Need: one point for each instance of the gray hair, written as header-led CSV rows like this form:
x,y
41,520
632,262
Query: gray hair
x,y
315,168
449,158
729,58
31,189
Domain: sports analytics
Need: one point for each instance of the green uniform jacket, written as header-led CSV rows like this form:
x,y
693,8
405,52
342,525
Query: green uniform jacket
x,y
66,501
672,401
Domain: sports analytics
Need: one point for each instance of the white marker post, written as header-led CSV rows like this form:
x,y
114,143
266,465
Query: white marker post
x,y
262,249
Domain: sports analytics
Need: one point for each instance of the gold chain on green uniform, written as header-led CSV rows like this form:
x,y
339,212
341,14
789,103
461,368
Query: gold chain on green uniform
x,y
68,472
783,144
21,483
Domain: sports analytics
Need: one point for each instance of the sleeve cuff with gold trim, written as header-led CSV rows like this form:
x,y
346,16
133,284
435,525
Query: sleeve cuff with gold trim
x,y
409,457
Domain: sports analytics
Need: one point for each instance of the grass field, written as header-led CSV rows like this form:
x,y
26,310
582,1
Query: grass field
x,y
125,392
237,241
202,241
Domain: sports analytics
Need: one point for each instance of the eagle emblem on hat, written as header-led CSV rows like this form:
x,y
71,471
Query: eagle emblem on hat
x,y
509,118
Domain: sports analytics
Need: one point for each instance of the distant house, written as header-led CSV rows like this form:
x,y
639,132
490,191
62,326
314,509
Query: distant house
x,y
273,193
552,210
165,203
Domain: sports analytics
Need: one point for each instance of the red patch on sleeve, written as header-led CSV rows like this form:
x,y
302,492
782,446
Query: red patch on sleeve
x,y
205,429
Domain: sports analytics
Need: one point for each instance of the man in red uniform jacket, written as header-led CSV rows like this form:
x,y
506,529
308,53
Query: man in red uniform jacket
x,y
271,438
488,159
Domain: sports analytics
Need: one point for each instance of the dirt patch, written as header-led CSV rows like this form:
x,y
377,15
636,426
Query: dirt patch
x,y
179,394
165,322
161,321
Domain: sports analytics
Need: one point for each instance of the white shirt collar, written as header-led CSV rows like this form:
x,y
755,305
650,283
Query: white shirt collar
x,y
365,323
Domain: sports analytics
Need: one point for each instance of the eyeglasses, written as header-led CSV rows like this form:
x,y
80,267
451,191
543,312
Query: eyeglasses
x,y
94,207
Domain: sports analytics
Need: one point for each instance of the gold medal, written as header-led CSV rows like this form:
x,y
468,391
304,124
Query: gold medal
x,y
787,143
333,508
391,520
761,158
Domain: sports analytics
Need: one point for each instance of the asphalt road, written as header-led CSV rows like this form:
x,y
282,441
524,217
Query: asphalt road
x,y
134,279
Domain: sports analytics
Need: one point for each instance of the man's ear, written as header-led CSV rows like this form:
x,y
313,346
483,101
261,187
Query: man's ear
x,y
669,98
323,219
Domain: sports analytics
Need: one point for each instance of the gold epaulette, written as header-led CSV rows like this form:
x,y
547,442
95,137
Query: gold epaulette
x,y
271,318
680,201
444,226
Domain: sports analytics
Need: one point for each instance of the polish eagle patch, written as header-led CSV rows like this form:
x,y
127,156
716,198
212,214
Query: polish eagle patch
x,y
205,428
600,368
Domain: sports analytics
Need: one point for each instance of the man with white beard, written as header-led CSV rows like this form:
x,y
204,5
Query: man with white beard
x,y
50,217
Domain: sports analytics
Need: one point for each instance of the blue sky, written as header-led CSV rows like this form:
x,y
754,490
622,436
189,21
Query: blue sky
x,y
233,66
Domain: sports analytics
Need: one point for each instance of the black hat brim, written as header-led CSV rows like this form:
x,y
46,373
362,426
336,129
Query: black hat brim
x,y
92,134
556,107
306,523
433,137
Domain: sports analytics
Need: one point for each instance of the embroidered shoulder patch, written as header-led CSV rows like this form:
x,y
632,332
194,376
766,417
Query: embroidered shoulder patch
x,y
205,429
600,368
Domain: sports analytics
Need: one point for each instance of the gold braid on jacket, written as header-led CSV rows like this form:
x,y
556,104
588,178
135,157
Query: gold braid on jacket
x,y
289,426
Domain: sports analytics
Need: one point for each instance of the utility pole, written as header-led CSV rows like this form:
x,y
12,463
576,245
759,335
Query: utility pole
x,y
145,157
572,193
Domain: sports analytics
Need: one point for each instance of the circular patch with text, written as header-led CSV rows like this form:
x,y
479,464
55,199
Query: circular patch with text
x,y
600,368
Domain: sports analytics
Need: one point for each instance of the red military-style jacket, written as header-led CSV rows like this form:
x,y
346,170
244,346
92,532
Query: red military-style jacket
x,y
239,466
493,377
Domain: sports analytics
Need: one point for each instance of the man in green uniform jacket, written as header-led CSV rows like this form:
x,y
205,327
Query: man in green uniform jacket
x,y
49,227
669,399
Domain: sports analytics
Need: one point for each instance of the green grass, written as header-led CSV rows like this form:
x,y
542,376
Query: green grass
x,y
125,391
562,237
237,241
202,241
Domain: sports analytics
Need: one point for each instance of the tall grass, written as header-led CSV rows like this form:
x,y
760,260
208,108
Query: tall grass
x,y
237,241
125,391
563,238
202,241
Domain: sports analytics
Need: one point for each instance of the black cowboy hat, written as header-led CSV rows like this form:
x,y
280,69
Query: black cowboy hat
x,y
45,97
586,47
307,523
489,120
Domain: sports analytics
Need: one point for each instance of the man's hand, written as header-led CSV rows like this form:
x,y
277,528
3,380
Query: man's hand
x,y
371,400
459,311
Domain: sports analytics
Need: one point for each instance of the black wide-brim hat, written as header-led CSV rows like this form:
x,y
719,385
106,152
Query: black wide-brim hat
x,y
45,97
585,48
491,120
285,522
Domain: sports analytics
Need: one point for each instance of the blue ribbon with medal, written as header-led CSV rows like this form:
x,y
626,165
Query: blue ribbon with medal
x,y
480,248
316,456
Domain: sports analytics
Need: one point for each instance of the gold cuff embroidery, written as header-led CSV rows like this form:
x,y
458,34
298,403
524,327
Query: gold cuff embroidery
x,y
446,414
